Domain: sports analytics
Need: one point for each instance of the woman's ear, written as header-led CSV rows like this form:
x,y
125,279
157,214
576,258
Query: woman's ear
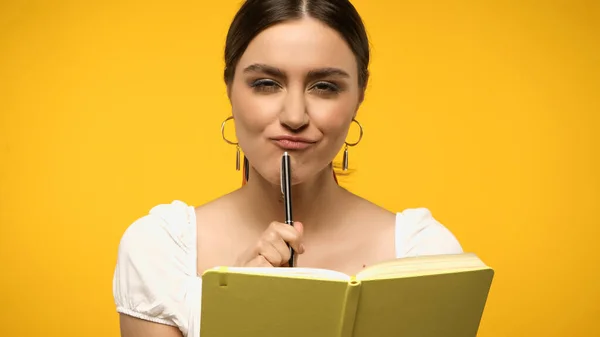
x,y
361,96
229,92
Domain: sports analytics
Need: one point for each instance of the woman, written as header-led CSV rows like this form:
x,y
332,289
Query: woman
x,y
296,73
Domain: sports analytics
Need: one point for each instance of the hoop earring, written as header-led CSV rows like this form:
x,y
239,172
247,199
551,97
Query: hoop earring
x,y
345,161
237,146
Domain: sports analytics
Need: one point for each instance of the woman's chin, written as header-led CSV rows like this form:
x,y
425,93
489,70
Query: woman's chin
x,y
299,176
274,178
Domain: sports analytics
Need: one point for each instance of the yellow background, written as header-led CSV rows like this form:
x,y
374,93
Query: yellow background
x,y
483,111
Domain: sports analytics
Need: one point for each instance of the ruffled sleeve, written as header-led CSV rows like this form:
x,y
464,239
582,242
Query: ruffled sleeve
x,y
155,274
419,233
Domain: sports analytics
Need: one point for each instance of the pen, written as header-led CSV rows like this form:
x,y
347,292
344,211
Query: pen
x,y
286,190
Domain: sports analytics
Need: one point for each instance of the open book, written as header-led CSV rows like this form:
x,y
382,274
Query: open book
x,y
427,296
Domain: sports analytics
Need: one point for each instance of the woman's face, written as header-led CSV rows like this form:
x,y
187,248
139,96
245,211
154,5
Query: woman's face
x,y
295,89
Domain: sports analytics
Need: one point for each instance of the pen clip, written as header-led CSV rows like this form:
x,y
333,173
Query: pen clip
x,y
281,174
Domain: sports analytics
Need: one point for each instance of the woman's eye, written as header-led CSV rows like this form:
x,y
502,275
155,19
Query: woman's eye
x,y
326,88
265,85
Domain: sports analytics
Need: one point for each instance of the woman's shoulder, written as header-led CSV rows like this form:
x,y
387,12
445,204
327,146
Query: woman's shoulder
x,y
418,232
164,223
156,265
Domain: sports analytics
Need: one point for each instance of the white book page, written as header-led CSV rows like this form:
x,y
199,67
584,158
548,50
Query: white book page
x,y
423,265
316,273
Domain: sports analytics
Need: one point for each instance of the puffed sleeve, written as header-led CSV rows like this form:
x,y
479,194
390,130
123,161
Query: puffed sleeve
x,y
419,233
156,267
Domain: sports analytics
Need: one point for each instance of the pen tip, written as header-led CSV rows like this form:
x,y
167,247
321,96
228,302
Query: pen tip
x,y
285,153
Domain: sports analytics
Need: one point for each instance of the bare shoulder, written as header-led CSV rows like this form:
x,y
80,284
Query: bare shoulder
x,y
366,211
220,215
212,211
375,224
216,237
369,234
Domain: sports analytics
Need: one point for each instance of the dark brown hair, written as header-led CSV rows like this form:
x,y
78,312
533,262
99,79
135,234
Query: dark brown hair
x,y
254,16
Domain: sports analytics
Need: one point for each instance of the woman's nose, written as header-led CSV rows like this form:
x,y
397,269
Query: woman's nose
x,y
294,115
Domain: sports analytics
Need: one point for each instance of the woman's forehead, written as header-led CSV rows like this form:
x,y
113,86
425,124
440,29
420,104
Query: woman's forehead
x,y
300,45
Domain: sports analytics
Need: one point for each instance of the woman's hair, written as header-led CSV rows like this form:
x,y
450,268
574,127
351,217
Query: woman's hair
x,y
257,15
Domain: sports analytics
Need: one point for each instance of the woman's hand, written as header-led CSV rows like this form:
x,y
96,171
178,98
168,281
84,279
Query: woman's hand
x,y
271,250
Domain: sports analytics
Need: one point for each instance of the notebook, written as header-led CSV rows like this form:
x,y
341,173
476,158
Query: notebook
x,y
425,296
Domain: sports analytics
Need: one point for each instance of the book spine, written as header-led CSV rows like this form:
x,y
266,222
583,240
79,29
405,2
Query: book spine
x,y
223,273
349,308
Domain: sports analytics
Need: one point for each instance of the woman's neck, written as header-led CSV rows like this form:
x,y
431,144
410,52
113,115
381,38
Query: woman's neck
x,y
313,202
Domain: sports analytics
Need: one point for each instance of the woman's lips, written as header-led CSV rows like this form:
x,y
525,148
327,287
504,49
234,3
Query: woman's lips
x,y
293,142
287,144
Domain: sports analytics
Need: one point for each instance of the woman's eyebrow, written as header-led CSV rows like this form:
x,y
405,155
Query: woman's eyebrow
x,y
312,74
265,69
327,72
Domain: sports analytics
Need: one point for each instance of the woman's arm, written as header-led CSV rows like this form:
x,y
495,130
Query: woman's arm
x,y
154,264
135,327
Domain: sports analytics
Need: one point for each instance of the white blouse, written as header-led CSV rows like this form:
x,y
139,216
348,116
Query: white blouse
x,y
156,275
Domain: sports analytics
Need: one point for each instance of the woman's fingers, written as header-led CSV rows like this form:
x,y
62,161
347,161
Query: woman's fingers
x,y
272,248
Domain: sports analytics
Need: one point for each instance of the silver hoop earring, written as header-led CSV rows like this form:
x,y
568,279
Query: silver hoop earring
x,y
237,146
345,160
